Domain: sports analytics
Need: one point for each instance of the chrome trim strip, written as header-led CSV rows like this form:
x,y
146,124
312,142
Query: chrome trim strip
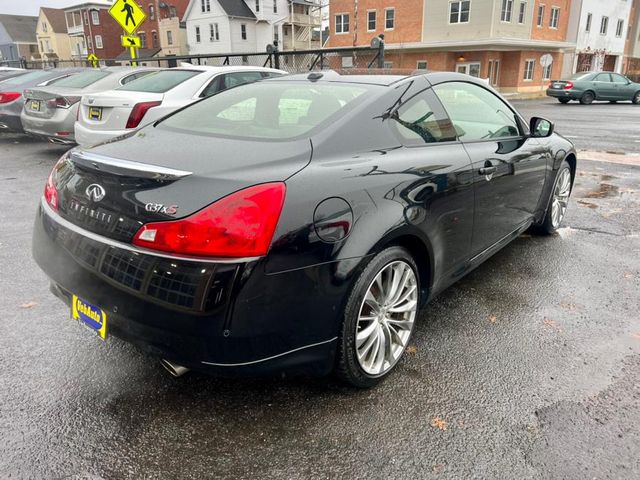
x,y
269,358
131,248
129,165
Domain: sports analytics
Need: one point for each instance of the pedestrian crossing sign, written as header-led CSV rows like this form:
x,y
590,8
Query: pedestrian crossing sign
x,y
128,14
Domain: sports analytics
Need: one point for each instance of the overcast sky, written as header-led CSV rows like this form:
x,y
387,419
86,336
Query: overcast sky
x,y
32,7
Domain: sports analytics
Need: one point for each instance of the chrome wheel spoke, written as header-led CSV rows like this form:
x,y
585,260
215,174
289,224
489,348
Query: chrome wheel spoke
x,y
560,197
386,318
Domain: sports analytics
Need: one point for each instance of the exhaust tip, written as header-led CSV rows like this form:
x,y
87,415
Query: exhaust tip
x,y
174,369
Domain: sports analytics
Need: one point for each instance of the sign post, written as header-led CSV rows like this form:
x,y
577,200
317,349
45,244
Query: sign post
x,y
129,16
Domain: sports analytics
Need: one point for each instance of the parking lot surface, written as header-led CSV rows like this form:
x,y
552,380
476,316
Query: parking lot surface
x,y
528,368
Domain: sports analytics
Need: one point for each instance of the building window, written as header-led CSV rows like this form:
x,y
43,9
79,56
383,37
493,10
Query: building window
x,y
604,25
152,12
507,9
98,41
154,39
197,34
86,17
276,35
143,39
89,43
540,15
342,23
214,32
371,20
169,37
529,65
522,13
546,72
459,12
172,12
95,17
421,65
587,28
619,27
555,15
257,5
44,27
388,65
243,31
205,5
389,18
275,6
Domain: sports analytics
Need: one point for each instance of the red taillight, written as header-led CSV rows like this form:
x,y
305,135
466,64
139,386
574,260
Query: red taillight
x,y
138,112
568,86
239,225
6,97
50,191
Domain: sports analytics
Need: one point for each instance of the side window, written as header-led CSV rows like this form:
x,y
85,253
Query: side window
x,y
270,74
240,78
603,77
214,86
422,120
476,113
619,78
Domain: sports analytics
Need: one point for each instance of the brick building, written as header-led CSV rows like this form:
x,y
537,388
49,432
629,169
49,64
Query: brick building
x,y
517,44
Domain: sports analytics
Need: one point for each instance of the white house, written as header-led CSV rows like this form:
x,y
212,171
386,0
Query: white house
x,y
599,29
248,26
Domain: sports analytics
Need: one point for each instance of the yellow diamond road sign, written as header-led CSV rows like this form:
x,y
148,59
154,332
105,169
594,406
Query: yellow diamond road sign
x,y
129,41
128,14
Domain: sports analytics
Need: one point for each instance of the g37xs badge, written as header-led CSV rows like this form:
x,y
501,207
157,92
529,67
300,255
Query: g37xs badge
x,y
160,208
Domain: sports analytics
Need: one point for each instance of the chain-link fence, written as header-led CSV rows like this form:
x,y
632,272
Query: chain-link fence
x,y
356,58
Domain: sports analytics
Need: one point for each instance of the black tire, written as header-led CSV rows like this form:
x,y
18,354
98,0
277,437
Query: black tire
x,y
564,100
347,366
613,101
587,98
636,98
546,227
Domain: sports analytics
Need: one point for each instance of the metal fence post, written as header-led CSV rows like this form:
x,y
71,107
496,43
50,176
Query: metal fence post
x,y
276,58
381,51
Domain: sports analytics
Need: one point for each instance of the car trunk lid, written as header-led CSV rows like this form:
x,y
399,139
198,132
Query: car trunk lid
x,y
111,110
115,188
42,103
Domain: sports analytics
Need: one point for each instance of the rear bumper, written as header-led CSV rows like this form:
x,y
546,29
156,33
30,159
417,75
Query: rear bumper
x,y
228,318
10,123
86,136
563,94
50,128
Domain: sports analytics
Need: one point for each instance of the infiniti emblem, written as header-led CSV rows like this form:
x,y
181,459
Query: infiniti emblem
x,y
95,192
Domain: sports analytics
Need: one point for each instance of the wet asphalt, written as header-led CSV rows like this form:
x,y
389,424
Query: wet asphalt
x,y
528,368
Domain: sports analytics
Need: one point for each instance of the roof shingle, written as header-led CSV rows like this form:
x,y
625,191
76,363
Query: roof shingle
x,y
56,19
21,28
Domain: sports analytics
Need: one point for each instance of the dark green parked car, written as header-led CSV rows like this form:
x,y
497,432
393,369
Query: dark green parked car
x,y
589,86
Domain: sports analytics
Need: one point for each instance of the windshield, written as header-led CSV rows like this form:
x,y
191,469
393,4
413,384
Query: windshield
x,y
160,82
83,79
26,77
268,110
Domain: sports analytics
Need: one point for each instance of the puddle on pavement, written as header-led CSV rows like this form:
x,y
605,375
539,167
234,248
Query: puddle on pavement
x,y
603,191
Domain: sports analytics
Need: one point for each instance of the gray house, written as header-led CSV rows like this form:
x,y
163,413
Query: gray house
x,y
17,38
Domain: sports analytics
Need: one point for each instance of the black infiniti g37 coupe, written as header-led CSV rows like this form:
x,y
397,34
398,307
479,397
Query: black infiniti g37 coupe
x,y
296,224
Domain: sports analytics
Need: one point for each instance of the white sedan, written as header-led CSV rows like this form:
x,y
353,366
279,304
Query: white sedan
x,y
109,114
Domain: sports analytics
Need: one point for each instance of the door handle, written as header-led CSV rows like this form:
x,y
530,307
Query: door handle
x,y
487,170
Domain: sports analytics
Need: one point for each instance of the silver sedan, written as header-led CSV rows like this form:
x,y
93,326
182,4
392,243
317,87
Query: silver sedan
x,y
50,112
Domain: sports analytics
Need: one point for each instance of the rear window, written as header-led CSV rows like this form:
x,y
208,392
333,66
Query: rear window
x,y
83,79
26,77
160,82
579,76
276,111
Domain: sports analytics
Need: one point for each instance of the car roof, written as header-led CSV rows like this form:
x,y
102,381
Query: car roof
x,y
224,68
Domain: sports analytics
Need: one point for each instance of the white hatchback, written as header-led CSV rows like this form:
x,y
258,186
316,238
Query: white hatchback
x,y
106,115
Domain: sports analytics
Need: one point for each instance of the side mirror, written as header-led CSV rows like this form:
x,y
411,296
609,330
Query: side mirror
x,y
540,127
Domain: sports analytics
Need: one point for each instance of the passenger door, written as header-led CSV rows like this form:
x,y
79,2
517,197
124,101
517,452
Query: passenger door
x,y
623,87
437,191
508,167
603,87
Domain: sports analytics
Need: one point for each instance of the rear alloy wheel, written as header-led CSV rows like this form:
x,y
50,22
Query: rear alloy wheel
x,y
563,100
379,318
636,98
559,201
587,98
